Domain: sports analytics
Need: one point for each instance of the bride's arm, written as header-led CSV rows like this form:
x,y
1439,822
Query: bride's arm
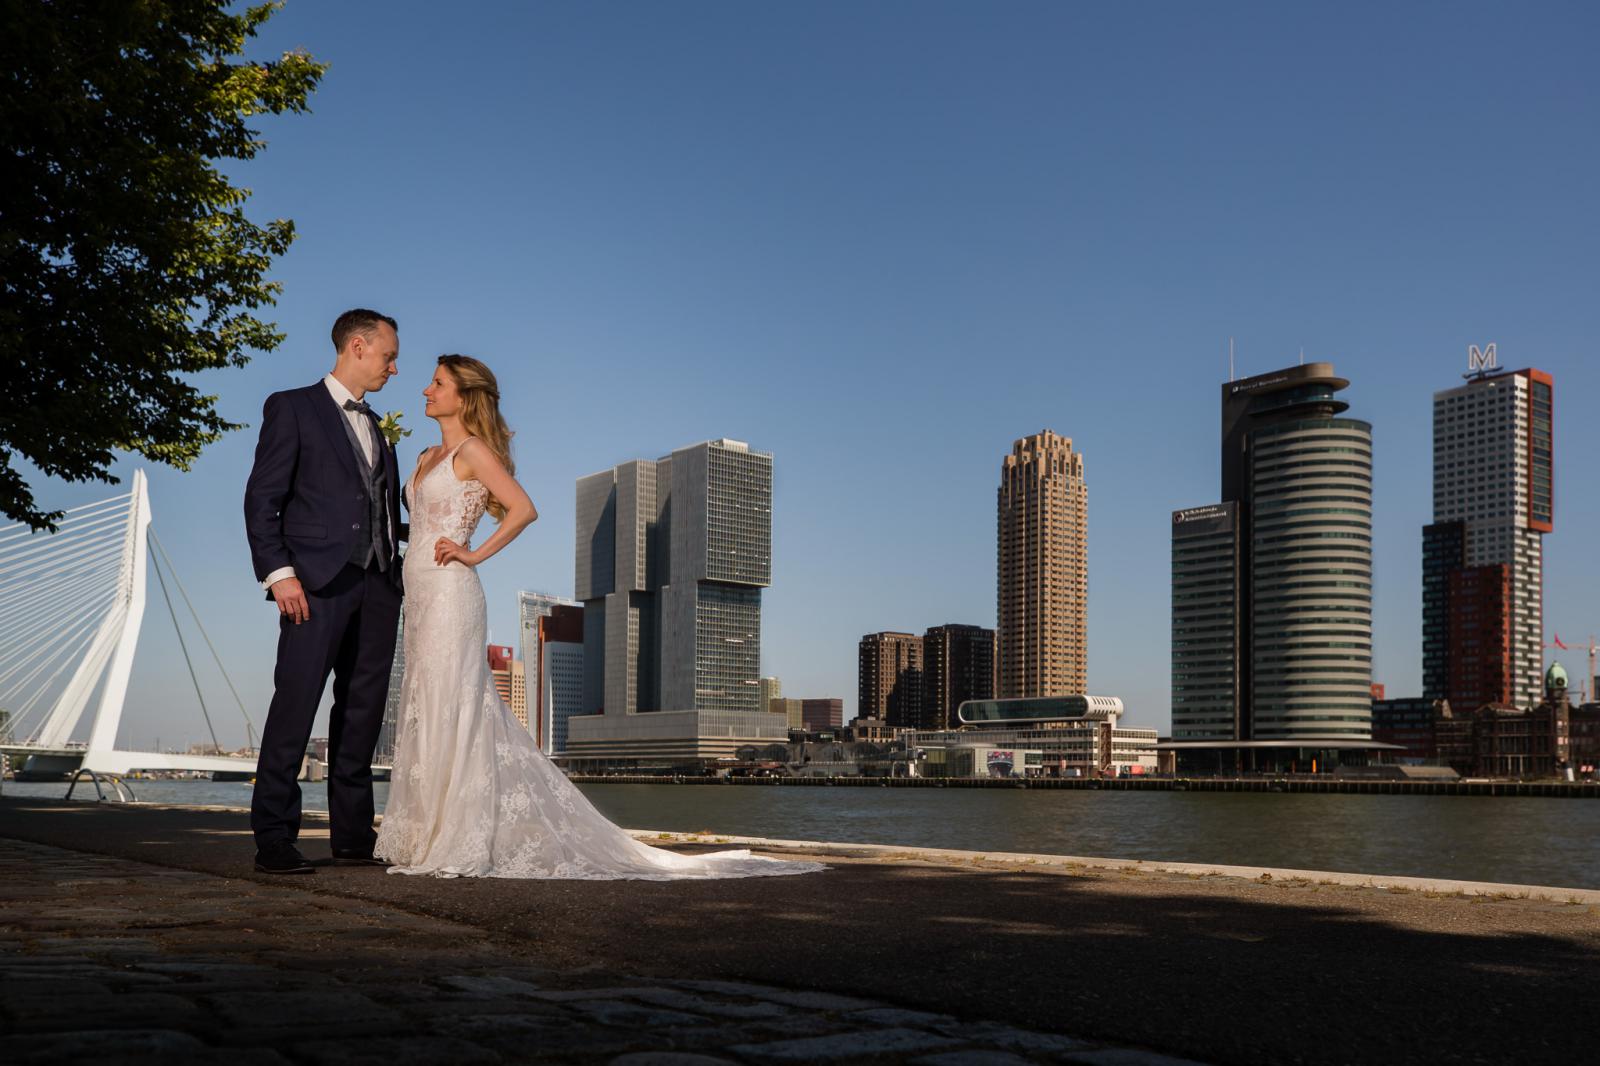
x,y
479,462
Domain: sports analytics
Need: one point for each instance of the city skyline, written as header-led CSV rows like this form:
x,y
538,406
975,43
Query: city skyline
x,y
884,277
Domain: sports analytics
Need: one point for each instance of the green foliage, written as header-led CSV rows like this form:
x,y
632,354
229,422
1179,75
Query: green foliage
x,y
126,260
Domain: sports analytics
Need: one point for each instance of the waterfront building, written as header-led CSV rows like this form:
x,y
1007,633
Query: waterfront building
x,y
1042,567
1206,577
792,710
1452,737
770,688
562,695
1409,724
957,666
1272,663
1060,736
889,678
666,741
558,647
821,715
518,671
871,731
1483,555
1583,739
1518,743
531,607
500,659
1504,740
671,558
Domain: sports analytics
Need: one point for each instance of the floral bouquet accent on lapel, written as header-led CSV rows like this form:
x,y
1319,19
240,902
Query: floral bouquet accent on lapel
x,y
389,425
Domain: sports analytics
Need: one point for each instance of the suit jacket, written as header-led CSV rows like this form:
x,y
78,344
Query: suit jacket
x,y
305,502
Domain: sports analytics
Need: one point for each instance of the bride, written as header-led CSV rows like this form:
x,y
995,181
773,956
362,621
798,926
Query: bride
x,y
471,793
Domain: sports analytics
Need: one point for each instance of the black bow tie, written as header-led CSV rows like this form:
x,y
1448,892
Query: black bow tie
x,y
357,405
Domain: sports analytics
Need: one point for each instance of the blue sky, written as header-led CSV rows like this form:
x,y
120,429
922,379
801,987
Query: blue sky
x,y
884,240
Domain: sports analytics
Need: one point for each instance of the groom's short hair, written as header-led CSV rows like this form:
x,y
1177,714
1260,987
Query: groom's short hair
x,y
358,320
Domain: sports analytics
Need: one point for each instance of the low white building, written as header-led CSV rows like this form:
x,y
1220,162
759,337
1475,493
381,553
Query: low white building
x,y
1052,736
655,740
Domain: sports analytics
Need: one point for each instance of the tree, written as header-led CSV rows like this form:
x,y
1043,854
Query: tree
x,y
127,264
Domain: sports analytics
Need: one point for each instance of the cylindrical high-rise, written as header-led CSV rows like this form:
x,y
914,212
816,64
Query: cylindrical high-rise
x,y
1311,578
1043,570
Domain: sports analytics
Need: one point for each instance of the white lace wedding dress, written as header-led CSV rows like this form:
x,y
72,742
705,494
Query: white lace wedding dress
x,y
471,794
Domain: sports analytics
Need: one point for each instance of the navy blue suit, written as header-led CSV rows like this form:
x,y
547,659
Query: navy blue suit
x,y
305,505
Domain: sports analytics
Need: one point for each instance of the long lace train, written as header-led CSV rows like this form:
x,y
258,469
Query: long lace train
x,y
471,794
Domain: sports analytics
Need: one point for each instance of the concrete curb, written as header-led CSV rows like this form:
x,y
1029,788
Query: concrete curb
x,y
1266,874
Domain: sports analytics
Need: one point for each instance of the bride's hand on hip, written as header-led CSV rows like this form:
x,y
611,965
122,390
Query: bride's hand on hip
x,y
446,551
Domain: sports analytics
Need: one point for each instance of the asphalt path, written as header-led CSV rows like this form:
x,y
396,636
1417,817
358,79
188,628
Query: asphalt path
x,y
1216,968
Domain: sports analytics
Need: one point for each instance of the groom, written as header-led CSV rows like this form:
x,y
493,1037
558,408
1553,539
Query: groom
x,y
322,513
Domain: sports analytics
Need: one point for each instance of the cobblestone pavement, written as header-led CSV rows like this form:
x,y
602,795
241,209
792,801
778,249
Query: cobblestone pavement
x,y
128,962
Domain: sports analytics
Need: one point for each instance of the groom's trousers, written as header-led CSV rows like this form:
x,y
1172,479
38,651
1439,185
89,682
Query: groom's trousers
x,y
351,634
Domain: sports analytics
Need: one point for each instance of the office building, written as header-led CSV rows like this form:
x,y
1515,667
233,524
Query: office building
x,y
500,659
1042,569
889,678
1408,723
1272,586
770,688
548,625
791,712
957,666
671,558
518,702
1483,556
822,715
532,606
562,695
1206,701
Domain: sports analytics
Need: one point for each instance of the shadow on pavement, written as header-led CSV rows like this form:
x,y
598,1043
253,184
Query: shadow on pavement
x,y
1215,968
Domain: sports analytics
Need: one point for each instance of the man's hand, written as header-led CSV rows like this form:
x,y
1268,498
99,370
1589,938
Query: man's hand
x,y
291,599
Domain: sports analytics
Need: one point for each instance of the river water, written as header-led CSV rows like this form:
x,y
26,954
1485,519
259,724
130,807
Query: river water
x,y
1516,840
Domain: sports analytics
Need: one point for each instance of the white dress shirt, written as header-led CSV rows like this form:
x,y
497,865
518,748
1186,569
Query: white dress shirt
x,y
364,433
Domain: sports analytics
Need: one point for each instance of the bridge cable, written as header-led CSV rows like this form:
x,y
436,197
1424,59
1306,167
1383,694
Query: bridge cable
x,y
250,726
22,529
184,647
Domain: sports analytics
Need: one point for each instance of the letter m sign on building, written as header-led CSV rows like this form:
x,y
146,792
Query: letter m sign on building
x,y
1481,362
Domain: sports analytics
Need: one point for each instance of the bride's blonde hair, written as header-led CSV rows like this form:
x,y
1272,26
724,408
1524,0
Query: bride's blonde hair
x,y
480,412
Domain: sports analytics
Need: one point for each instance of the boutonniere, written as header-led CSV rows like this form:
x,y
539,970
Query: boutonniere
x,y
389,425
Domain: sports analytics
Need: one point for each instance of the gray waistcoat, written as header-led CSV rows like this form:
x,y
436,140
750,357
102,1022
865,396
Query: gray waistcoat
x,y
375,546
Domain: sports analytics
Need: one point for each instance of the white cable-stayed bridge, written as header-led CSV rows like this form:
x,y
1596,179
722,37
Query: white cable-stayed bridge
x,y
71,605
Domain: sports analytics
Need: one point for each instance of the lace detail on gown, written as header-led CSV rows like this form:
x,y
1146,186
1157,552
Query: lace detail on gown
x,y
471,793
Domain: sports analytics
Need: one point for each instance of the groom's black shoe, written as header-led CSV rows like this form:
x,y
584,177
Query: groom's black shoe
x,y
282,858
351,857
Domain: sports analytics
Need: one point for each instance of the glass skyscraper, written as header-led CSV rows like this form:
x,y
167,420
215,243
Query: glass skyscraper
x,y
1272,588
672,556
